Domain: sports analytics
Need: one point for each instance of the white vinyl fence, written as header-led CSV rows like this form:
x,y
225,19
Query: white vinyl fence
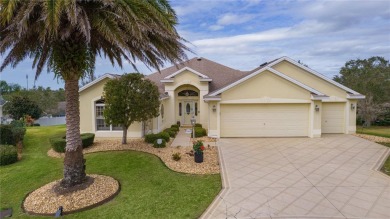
x,y
48,121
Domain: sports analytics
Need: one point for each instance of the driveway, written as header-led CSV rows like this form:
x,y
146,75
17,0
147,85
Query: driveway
x,y
330,177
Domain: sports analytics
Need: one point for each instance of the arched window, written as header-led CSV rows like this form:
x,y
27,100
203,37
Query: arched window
x,y
187,93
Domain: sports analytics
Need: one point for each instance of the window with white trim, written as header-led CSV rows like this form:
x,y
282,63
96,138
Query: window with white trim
x,y
100,123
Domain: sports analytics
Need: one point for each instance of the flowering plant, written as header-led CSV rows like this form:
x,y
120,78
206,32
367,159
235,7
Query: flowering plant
x,y
198,146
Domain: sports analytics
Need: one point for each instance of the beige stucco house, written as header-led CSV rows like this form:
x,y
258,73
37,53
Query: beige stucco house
x,y
281,98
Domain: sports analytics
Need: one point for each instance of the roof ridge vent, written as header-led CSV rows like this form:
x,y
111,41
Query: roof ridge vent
x,y
199,58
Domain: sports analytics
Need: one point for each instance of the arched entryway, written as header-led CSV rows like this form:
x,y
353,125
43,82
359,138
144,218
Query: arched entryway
x,y
187,104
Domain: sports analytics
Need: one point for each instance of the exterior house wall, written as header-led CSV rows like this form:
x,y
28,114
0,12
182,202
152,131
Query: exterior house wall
x,y
310,80
87,114
267,85
352,117
213,119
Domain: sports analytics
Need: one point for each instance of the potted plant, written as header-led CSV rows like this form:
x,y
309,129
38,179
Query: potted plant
x,y
198,151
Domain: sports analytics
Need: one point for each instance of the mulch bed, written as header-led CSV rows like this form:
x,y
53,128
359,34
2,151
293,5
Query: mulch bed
x,y
45,201
186,164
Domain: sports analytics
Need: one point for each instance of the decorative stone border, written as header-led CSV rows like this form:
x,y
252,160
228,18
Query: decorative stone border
x,y
31,200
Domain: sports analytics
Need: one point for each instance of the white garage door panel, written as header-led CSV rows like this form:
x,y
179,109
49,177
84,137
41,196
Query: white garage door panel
x,y
264,120
332,120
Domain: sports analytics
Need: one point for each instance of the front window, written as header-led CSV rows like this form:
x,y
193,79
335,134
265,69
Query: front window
x,y
196,109
100,123
179,109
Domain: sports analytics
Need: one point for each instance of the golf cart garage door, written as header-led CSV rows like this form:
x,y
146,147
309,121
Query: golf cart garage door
x,y
332,120
264,120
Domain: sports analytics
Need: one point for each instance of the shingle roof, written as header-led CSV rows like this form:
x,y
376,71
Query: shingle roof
x,y
221,75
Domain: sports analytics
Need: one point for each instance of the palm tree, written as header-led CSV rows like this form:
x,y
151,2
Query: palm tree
x,y
67,35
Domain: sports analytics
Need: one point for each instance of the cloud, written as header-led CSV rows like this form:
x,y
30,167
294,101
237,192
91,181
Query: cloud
x,y
229,19
216,27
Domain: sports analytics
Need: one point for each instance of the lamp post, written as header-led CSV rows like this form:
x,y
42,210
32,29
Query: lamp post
x,y
193,121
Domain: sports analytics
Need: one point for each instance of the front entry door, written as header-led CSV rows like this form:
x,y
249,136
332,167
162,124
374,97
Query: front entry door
x,y
188,112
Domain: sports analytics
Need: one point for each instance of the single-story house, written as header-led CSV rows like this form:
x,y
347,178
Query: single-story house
x,y
281,98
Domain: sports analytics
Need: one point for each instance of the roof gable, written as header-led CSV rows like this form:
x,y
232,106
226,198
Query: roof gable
x,y
323,77
261,70
99,79
187,69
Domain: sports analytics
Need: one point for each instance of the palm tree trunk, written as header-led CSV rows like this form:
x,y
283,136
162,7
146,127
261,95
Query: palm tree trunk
x,y
74,163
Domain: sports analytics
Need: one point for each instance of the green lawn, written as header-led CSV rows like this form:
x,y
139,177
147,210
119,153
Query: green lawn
x,y
148,188
383,131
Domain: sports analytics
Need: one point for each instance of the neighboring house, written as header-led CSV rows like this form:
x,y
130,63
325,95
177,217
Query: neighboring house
x,y
2,103
281,98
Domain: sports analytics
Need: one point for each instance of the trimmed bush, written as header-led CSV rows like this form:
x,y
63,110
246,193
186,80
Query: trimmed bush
x,y
36,124
151,138
6,136
165,136
175,126
162,145
198,125
59,143
200,132
171,131
8,154
174,129
87,139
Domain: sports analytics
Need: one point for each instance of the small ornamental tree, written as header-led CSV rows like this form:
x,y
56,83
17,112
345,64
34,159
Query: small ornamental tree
x,y
128,99
20,106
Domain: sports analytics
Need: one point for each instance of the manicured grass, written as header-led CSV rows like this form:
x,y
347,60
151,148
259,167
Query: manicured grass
x,y
382,131
148,188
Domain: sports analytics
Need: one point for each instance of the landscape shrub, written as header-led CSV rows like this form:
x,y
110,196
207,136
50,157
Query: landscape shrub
x,y
59,143
162,145
165,136
8,154
175,126
36,124
174,129
87,139
176,156
198,125
200,132
12,133
151,138
171,132
6,136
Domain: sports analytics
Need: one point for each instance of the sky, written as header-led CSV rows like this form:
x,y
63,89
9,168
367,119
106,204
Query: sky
x,y
244,34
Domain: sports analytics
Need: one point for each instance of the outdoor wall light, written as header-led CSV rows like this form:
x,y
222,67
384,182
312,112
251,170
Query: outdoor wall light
x,y
353,106
317,108
214,108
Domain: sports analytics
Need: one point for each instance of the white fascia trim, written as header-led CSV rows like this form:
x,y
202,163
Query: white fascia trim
x,y
356,97
188,69
319,97
164,98
206,79
206,99
295,82
167,81
96,81
285,58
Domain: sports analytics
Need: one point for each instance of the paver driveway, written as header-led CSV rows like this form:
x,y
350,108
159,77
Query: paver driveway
x,y
328,177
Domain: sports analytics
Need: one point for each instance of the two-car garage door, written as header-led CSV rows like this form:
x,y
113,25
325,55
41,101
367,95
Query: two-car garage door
x,y
264,120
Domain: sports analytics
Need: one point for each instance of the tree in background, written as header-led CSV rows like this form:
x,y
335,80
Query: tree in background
x,y
19,107
47,99
370,77
67,35
128,99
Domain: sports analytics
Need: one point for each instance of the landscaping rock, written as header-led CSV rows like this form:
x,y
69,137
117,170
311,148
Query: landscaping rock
x,y
373,138
45,201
